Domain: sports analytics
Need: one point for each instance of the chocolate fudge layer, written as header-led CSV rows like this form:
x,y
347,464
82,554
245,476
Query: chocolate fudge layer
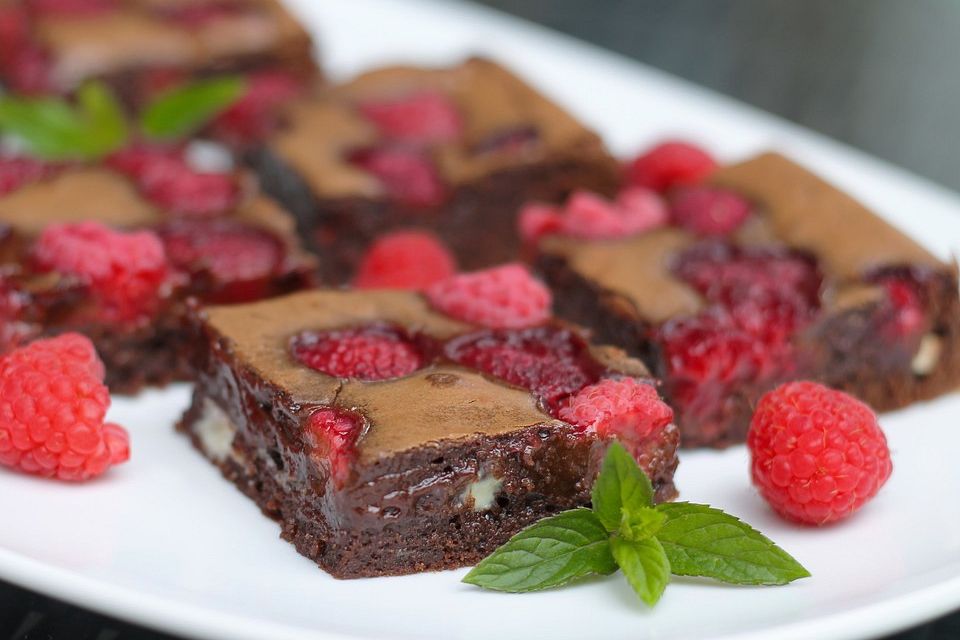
x,y
853,302
453,150
53,49
206,255
441,465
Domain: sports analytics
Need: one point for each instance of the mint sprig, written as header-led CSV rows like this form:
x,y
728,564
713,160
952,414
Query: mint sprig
x,y
185,109
93,124
647,542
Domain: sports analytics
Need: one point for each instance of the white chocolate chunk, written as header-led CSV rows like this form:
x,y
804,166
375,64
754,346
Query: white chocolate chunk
x,y
482,493
928,354
215,431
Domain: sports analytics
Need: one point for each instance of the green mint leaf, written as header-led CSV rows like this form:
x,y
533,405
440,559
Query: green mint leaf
x,y
702,541
55,129
185,109
642,524
105,121
645,566
548,553
621,486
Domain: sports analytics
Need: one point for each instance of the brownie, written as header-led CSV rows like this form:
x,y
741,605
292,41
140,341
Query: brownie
x,y
205,252
444,462
52,47
811,285
455,151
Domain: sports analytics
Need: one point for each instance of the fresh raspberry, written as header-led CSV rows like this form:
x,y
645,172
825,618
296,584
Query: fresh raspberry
x,y
538,220
405,260
817,454
550,362
16,172
709,211
166,179
334,434
505,297
24,64
239,261
424,117
254,115
365,353
670,164
626,409
591,216
636,210
126,271
407,175
908,315
52,407
71,8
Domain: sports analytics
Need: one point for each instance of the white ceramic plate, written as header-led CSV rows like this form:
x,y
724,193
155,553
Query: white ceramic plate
x,y
164,541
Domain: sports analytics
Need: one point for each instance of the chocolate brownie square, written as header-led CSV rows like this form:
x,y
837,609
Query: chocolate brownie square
x,y
454,151
424,459
766,273
236,246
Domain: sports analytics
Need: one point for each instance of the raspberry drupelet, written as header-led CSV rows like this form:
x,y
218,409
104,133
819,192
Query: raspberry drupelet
x,y
500,298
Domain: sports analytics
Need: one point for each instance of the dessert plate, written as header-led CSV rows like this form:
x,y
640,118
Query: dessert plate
x,y
164,541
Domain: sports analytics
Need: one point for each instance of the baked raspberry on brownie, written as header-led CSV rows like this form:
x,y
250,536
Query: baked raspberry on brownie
x,y
454,151
390,432
51,46
112,250
730,281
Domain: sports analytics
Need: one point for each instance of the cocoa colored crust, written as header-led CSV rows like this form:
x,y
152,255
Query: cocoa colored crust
x,y
623,289
150,352
451,463
341,208
117,45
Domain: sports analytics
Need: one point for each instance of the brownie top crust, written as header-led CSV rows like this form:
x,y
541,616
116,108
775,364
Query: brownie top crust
x,y
794,207
320,132
146,33
440,401
101,194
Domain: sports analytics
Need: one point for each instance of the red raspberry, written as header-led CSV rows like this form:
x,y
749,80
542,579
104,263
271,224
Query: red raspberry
x,y
334,434
505,297
239,261
15,172
670,164
52,408
126,272
537,220
425,117
817,454
709,211
166,179
591,216
550,362
254,115
71,8
908,312
404,260
406,174
24,65
626,409
365,353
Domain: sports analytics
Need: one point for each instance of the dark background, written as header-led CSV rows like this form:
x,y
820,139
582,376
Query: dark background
x,y
878,74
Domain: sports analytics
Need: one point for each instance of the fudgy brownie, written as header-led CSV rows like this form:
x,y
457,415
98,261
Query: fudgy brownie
x,y
143,47
759,274
455,151
70,262
417,454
